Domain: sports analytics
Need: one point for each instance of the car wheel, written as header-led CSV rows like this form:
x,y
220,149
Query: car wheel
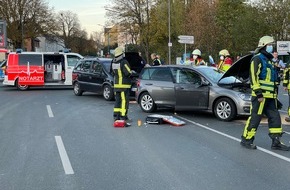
x,y
108,93
21,87
225,109
77,89
147,103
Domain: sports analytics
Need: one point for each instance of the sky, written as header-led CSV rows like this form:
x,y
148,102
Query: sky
x,y
91,13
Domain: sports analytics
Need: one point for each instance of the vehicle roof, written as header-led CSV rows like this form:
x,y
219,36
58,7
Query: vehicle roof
x,y
97,59
54,53
180,66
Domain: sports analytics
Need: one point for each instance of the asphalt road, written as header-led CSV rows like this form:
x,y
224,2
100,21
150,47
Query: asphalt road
x,y
53,140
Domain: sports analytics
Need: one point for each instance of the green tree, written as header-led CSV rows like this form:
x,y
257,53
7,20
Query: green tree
x,y
276,14
159,31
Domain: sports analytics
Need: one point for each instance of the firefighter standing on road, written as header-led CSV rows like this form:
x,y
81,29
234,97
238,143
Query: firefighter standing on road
x,y
286,85
263,77
122,84
225,60
197,60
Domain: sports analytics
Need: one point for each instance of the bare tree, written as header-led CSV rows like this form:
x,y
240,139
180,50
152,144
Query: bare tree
x,y
68,26
26,19
133,13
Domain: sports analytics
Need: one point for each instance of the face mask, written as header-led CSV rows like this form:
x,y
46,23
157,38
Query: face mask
x,y
269,48
222,57
194,57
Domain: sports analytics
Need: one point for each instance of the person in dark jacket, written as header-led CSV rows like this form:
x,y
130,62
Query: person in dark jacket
x,y
264,80
155,60
122,84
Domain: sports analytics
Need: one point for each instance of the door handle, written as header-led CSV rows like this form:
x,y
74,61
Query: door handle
x,y
149,84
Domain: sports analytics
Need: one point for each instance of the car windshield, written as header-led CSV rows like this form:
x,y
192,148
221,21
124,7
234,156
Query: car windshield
x,y
215,75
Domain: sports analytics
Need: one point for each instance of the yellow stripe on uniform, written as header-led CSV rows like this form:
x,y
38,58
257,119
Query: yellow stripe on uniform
x,y
128,68
123,104
275,130
120,76
261,107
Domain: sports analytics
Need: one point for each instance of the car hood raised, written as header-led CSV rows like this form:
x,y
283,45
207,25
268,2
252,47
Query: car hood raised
x,y
240,69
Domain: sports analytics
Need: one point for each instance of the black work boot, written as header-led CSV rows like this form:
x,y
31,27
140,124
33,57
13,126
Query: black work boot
x,y
277,144
248,143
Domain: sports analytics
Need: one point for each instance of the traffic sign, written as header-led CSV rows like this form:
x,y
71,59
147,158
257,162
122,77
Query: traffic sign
x,y
186,41
183,37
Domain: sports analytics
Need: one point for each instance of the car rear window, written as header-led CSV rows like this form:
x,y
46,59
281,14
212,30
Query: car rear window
x,y
157,73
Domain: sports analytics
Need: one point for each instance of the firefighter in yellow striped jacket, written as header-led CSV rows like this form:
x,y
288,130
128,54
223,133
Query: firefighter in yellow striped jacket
x,y
264,80
122,84
286,85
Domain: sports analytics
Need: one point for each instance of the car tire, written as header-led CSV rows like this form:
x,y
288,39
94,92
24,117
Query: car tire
x,y
21,87
77,89
225,109
147,103
108,93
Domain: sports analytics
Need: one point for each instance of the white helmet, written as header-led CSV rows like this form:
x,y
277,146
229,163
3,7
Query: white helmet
x,y
196,52
265,40
118,51
224,52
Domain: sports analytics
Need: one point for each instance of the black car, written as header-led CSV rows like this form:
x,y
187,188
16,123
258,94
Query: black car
x,y
94,75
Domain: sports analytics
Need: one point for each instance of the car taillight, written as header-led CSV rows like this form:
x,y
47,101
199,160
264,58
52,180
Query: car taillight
x,y
138,82
74,76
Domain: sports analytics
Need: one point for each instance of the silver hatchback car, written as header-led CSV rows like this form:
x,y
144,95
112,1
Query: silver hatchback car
x,y
186,88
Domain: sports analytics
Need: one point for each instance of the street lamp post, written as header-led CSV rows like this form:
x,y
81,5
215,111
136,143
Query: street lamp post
x,y
108,43
169,35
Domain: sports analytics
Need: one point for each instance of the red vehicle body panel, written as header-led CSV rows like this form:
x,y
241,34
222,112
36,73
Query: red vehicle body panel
x,y
29,74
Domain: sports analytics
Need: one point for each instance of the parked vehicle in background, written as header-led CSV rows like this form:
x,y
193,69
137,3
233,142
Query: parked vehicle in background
x,y
2,69
26,69
95,75
197,88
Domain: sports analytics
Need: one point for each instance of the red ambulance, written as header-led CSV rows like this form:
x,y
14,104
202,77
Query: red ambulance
x,y
26,69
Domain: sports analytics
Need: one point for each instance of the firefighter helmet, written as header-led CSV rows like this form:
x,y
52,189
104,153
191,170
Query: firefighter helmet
x,y
224,52
196,52
119,51
265,40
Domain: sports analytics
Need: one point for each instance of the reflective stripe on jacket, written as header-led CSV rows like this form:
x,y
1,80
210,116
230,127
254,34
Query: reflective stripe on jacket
x,y
286,75
263,77
225,64
122,72
198,62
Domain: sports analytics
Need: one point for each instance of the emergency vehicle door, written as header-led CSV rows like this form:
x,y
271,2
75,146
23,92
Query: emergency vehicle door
x,y
71,62
31,71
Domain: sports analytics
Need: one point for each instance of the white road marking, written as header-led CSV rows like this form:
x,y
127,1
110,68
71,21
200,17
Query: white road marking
x,y
236,139
63,156
49,111
286,132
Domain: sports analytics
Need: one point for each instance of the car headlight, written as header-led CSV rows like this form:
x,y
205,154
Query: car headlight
x,y
245,97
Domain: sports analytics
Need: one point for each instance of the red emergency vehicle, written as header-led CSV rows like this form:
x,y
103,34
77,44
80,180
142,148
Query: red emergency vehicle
x,y
25,69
